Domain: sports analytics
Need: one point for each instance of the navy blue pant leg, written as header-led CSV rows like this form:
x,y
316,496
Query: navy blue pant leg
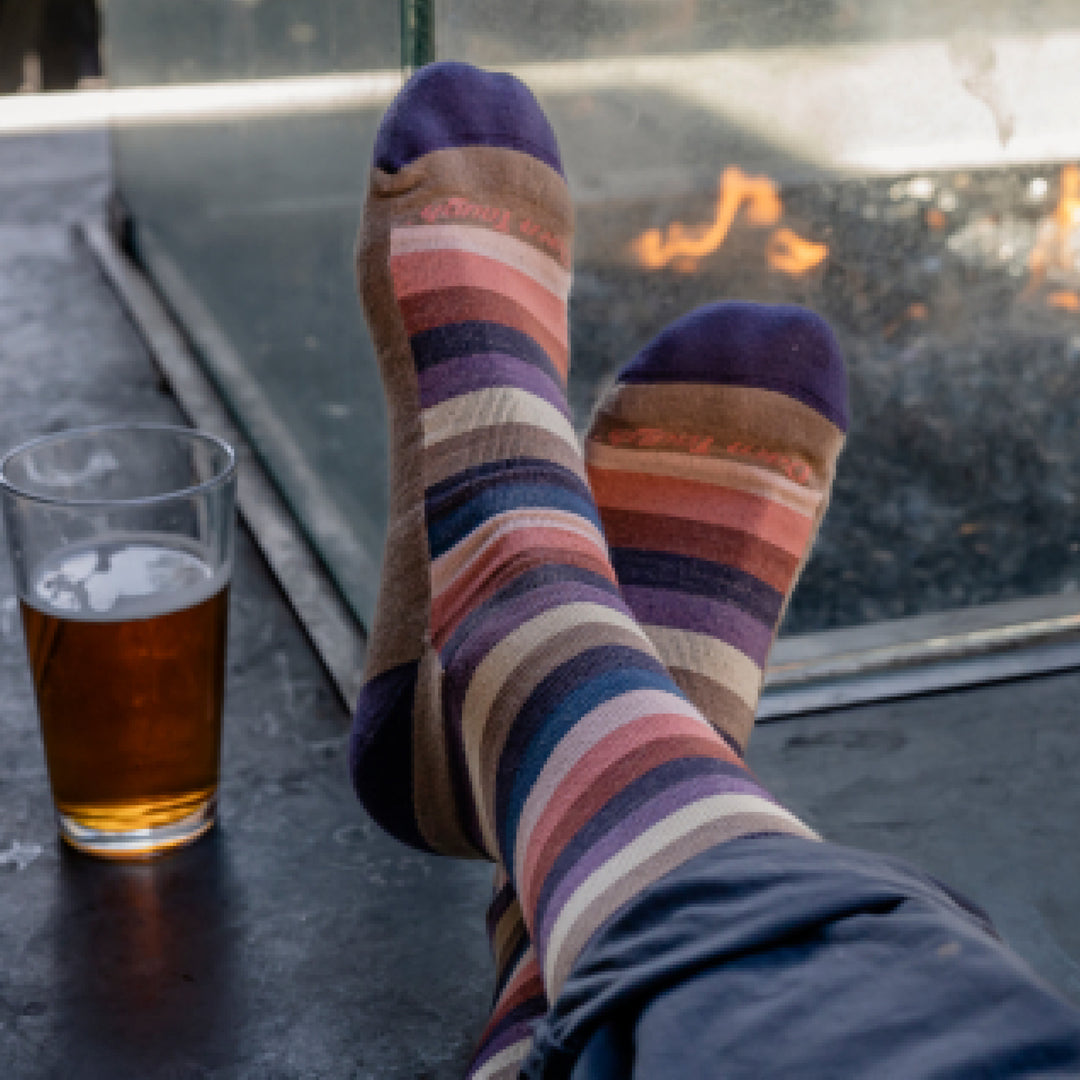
x,y
781,957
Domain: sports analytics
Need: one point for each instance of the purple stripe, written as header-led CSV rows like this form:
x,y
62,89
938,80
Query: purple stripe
x,y
718,619
463,374
515,1031
524,584
464,654
631,827
777,347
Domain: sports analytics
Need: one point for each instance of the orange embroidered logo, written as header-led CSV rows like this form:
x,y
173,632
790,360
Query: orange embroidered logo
x,y
651,438
458,209
657,438
499,218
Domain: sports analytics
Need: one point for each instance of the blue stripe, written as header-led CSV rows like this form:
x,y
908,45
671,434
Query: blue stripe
x,y
699,577
430,347
541,725
440,499
445,532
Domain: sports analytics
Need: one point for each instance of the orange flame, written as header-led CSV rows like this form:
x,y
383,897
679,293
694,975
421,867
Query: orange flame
x,y
1058,243
1064,301
792,254
684,249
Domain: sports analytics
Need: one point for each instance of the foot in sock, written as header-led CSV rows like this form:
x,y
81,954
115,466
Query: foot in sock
x,y
463,268
468,180
570,756
711,460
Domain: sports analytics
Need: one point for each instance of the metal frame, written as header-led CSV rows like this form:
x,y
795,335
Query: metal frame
x,y
417,33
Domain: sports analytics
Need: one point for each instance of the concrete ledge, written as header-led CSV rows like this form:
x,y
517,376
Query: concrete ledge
x,y
922,654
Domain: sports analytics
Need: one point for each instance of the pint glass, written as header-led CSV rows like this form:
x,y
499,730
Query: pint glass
x,y
121,541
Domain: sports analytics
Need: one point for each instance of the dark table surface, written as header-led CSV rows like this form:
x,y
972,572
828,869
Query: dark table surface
x,y
297,941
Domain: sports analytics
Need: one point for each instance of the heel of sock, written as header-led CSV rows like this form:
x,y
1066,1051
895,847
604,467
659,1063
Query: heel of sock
x,y
381,755
398,761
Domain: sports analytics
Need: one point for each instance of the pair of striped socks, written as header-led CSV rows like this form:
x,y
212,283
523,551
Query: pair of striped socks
x,y
568,648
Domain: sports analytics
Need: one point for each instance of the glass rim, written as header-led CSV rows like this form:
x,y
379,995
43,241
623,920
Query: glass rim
x,y
220,477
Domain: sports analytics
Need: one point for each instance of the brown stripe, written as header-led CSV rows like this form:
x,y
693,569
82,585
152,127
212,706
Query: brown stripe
x,y
498,443
699,540
402,607
763,419
433,790
508,935
723,708
429,310
533,191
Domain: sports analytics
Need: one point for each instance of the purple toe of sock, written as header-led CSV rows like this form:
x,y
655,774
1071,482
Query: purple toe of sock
x,y
450,104
773,347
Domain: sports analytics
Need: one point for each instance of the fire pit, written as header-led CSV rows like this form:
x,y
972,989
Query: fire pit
x,y
956,297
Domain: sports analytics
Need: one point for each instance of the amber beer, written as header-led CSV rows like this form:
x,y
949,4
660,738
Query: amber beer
x,y
126,643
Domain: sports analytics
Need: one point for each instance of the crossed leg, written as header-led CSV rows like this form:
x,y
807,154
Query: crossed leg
x,y
553,739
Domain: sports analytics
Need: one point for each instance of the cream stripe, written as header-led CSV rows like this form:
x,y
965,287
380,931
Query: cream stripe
x,y
492,672
491,407
545,271
449,567
613,714
711,657
588,898
710,835
722,472
465,452
505,1064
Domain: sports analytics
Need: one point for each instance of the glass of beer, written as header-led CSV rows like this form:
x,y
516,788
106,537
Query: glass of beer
x,y
121,540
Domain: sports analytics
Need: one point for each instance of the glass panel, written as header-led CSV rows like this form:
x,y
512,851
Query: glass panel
x,y
905,170
245,187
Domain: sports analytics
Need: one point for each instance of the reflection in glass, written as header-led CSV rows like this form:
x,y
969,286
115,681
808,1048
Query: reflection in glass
x,y
245,209
906,170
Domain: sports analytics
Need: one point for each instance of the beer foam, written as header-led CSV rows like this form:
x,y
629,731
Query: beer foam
x,y
133,578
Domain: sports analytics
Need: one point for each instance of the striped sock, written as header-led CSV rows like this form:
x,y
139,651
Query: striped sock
x,y
568,753
463,267
711,460
519,1000
589,774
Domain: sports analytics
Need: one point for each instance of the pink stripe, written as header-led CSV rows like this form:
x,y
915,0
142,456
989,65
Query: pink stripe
x,y
611,716
582,779
434,270
449,566
502,559
544,269
695,501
